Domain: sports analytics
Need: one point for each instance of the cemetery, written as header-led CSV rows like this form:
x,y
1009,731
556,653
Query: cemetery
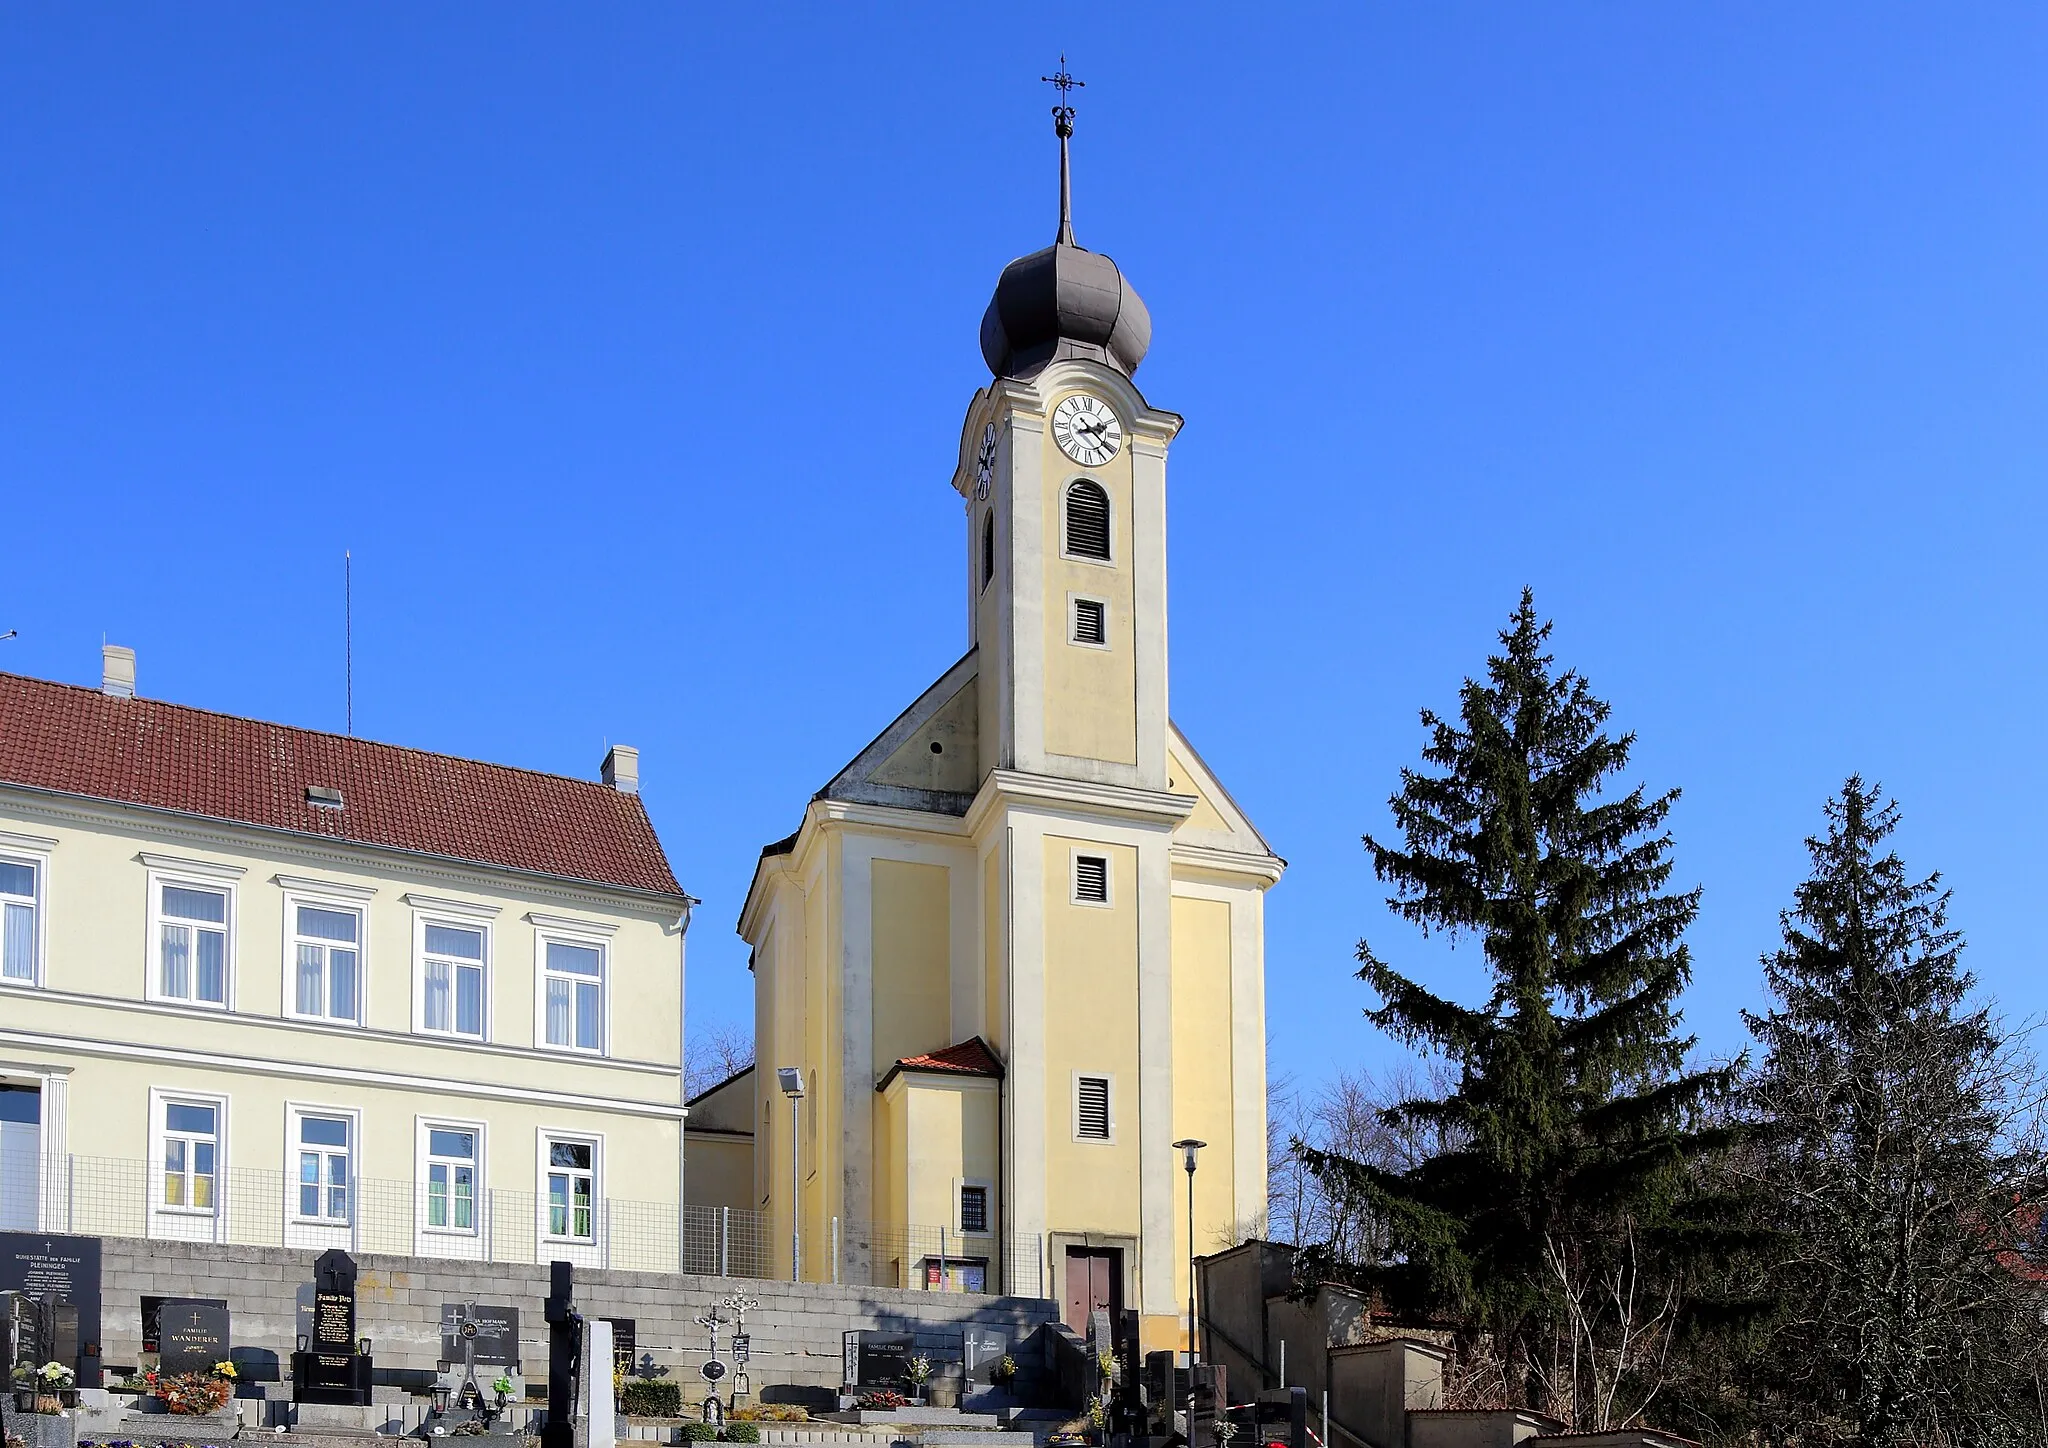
x,y
116,1341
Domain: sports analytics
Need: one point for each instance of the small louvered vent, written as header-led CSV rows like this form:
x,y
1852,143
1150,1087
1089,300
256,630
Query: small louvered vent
x,y
1091,1108
1091,878
1087,520
1088,626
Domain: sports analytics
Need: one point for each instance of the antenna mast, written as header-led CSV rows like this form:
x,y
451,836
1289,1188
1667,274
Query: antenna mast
x,y
348,636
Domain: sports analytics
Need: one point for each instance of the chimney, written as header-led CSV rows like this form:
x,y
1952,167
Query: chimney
x,y
621,769
117,671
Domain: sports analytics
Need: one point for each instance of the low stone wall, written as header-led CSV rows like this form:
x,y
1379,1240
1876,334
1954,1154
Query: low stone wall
x,y
796,1331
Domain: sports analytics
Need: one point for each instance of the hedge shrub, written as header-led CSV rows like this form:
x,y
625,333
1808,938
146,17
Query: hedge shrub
x,y
652,1398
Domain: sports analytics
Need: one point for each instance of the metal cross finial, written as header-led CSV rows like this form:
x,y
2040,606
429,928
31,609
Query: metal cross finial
x,y
1063,127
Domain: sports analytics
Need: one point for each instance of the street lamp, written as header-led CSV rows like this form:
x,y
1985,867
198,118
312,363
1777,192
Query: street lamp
x,y
1188,1146
792,1081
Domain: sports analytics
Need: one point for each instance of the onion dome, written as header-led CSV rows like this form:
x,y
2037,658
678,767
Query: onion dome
x,y
1063,301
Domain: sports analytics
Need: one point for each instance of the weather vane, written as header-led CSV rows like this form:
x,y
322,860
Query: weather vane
x,y
1063,126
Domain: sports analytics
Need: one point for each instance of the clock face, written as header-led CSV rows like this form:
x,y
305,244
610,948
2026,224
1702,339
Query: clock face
x,y
985,461
1087,430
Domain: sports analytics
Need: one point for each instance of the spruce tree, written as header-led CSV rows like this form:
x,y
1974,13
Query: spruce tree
x,y
1562,1148
1892,1120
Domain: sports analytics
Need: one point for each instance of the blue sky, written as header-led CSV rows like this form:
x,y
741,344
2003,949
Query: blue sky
x,y
627,348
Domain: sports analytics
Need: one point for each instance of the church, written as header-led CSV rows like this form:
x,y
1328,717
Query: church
x,y
1011,961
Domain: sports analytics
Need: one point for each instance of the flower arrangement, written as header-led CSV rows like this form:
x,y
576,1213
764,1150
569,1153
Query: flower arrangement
x,y
880,1399
225,1369
501,1385
192,1394
1005,1370
55,1377
920,1370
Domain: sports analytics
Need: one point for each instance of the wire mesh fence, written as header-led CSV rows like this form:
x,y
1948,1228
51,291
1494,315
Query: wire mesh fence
x,y
243,1206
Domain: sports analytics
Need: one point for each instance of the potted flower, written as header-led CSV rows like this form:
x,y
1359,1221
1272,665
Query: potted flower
x,y
1004,1372
920,1375
502,1386
52,1382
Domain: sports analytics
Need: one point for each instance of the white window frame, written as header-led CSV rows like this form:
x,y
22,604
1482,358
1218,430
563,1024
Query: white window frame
x,y
321,895
1074,602
544,1138
589,936
988,1206
1066,497
187,1224
1108,1078
304,1231
1093,852
451,1241
451,919
34,852
191,875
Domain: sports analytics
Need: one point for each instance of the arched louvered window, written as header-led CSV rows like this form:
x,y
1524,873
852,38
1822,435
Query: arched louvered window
x,y
988,549
1087,520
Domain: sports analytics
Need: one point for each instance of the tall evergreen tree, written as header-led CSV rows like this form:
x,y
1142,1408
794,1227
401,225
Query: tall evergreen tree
x,y
1893,1136
1548,1214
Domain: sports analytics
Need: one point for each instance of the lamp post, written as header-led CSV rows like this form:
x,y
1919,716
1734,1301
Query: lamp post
x,y
1188,1146
792,1082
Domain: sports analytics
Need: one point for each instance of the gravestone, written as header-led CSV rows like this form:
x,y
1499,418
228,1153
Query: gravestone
x,y
329,1369
879,1359
982,1352
1208,1402
565,1346
192,1335
495,1342
625,1345
42,1264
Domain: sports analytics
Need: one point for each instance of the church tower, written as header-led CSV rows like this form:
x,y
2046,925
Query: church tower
x,y
1015,950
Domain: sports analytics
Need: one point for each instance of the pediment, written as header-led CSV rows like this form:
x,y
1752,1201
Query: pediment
x,y
929,758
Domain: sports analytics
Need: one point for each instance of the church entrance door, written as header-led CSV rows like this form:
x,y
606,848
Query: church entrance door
x,y
1094,1282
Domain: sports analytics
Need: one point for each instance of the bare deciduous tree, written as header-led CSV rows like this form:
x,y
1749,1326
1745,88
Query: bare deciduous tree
x,y
716,1054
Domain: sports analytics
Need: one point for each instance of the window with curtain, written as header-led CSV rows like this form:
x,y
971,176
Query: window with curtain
x,y
572,982
452,980
572,1188
192,944
19,894
326,948
191,1136
451,1178
1087,520
323,1168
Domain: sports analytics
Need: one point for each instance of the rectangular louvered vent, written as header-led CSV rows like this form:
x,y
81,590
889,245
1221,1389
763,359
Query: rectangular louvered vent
x,y
1088,621
1091,1108
1091,879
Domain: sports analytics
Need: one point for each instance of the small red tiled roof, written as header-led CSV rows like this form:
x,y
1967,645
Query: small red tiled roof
x,y
167,756
971,1057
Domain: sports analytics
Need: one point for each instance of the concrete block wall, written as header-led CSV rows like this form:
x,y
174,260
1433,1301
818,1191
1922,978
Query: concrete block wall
x,y
796,1331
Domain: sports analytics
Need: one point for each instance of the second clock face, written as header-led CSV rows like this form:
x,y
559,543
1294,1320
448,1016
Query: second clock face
x,y
1087,430
985,461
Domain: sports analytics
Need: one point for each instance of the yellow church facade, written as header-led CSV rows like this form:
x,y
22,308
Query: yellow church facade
x,y
1014,952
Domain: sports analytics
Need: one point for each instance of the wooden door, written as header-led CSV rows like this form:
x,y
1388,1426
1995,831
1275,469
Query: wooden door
x,y
1094,1282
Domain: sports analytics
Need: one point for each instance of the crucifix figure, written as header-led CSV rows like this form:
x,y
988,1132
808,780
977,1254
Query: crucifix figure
x,y
1063,126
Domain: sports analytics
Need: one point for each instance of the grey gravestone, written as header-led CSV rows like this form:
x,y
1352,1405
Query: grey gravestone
x,y
982,1352
497,1334
152,1313
40,1264
192,1335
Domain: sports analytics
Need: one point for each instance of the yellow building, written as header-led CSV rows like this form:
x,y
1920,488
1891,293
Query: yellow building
x,y
270,986
1014,951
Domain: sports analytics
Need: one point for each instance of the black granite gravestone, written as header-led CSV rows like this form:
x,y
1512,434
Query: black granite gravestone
x,y
625,1344
40,1264
565,1347
495,1341
329,1368
192,1335
883,1359
982,1352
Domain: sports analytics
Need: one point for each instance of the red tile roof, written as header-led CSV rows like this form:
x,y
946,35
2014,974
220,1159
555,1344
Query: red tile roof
x,y
971,1057
167,756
